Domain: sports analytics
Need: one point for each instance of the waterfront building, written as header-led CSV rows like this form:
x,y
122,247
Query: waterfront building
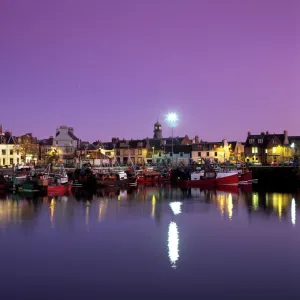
x,y
97,153
132,151
266,148
29,149
218,152
48,153
65,144
9,154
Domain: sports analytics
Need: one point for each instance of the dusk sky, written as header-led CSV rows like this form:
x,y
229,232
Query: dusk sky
x,y
112,67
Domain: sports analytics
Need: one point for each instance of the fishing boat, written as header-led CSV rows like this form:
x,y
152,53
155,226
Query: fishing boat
x,y
245,177
210,178
116,179
59,183
59,189
145,176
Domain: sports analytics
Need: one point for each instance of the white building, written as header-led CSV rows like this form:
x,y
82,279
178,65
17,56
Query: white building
x,y
9,154
66,143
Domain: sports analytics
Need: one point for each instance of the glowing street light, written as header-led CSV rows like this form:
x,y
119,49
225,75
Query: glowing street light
x,y
293,145
172,119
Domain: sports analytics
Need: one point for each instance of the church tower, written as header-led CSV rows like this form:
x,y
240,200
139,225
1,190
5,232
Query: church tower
x,y
157,131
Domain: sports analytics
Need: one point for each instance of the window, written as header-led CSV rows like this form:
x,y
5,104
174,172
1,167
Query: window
x,y
11,152
207,153
216,153
159,154
199,154
251,141
3,161
118,152
171,154
274,150
11,161
18,160
260,141
254,150
266,151
3,153
18,152
140,152
181,154
273,141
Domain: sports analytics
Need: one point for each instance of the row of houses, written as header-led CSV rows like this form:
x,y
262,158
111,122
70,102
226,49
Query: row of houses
x,y
65,147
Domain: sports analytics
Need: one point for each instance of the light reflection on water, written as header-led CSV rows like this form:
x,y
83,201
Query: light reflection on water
x,y
168,227
173,243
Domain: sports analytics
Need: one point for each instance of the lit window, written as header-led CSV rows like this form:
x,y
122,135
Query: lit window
x,y
266,151
274,150
254,150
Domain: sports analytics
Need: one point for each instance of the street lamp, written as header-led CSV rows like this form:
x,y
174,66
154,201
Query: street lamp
x,y
172,120
153,154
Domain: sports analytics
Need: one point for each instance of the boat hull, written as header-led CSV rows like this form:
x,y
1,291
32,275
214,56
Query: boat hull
x,y
58,189
151,180
245,178
105,183
228,180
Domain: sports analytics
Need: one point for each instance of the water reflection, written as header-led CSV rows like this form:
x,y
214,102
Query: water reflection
x,y
293,212
176,207
154,203
173,243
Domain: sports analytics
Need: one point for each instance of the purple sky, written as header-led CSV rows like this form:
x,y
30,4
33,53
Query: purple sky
x,y
226,67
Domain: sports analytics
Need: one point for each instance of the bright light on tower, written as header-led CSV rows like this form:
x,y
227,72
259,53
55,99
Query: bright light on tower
x,y
293,145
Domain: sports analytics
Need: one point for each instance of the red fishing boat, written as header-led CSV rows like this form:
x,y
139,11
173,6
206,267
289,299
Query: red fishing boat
x,y
245,177
212,179
152,177
59,189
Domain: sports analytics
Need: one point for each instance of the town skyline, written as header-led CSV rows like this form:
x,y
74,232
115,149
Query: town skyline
x,y
110,68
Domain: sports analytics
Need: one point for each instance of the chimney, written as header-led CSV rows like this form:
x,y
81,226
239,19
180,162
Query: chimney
x,y
262,133
286,139
267,133
249,133
114,140
196,139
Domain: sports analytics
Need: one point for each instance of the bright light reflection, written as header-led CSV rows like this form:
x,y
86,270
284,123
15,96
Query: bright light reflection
x,y
230,206
176,207
153,206
52,209
255,201
173,243
293,212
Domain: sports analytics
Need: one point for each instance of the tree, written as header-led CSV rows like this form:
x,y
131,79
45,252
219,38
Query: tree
x,y
52,156
28,149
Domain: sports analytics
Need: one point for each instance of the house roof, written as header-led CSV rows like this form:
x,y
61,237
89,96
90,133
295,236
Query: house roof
x,y
266,139
73,136
7,138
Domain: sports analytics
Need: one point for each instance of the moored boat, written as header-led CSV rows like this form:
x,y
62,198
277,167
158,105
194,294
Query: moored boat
x,y
118,179
59,189
152,177
211,179
246,177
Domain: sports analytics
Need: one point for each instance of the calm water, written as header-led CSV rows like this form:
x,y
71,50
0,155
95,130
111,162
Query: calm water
x,y
151,243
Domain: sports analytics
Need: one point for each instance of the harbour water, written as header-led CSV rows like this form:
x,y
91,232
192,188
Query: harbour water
x,y
151,243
